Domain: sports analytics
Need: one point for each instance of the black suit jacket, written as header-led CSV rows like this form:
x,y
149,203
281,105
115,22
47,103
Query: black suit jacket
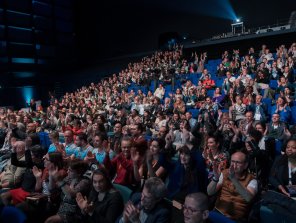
x,y
159,214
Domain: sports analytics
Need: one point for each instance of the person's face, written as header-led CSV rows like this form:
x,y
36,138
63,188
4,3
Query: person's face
x,y
176,117
238,161
117,128
78,142
260,128
154,147
291,149
238,100
162,132
184,158
147,199
208,100
99,183
249,117
258,99
280,101
126,147
97,141
68,137
95,126
72,173
248,147
275,118
191,213
133,130
212,145
46,160
31,127
188,116
20,148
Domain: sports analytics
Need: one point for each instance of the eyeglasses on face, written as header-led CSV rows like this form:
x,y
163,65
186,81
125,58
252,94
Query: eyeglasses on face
x,y
190,210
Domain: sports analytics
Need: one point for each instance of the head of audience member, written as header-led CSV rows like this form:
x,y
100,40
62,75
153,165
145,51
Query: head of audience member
x,y
188,115
19,148
117,128
252,140
157,145
76,169
162,132
275,119
53,160
239,162
196,208
153,192
126,145
37,153
213,144
249,117
185,156
98,140
291,150
54,136
31,127
137,130
81,140
68,137
77,124
101,181
261,127
184,125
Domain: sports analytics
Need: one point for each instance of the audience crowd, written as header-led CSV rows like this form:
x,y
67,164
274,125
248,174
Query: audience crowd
x,y
189,138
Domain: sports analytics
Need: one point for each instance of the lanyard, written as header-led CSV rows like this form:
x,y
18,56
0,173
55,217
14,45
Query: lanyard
x,y
290,172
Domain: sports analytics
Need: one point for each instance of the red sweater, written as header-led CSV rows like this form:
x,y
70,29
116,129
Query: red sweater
x,y
124,169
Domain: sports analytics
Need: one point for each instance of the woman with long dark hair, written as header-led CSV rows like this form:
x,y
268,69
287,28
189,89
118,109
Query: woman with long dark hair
x,y
104,203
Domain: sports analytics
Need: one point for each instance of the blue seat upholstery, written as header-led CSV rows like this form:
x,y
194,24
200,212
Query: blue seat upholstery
x,y
124,191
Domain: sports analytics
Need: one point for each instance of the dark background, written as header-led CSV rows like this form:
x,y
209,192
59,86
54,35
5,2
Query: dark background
x,y
112,28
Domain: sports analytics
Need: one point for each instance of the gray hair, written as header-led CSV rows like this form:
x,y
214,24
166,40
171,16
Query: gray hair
x,y
156,187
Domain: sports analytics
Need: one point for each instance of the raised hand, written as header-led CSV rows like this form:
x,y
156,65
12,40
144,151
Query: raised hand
x,y
216,170
231,172
54,172
135,155
36,172
81,201
131,213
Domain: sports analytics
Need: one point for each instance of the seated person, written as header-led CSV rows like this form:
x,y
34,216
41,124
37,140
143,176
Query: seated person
x,y
283,173
187,175
236,187
33,157
196,208
75,182
84,148
148,206
122,165
56,146
208,83
12,175
104,203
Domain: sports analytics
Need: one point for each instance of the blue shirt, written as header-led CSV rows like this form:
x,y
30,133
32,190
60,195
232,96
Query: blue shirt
x,y
82,153
70,149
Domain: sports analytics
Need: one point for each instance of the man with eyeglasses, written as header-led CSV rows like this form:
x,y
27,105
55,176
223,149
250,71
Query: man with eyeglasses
x,y
236,187
148,206
196,208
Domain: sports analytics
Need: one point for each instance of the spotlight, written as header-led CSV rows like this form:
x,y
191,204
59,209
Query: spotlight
x,y
237,20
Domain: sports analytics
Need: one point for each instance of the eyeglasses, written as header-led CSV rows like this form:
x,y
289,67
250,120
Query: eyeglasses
x,y
191,210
